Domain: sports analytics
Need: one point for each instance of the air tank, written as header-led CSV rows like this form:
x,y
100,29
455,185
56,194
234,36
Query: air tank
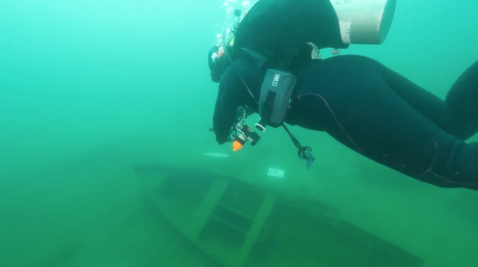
x,y
364,21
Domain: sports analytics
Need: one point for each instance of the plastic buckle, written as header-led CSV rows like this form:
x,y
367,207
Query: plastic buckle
x,y
260,127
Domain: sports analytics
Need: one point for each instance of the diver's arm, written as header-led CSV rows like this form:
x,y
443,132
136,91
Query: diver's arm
x,y
228,100
222,125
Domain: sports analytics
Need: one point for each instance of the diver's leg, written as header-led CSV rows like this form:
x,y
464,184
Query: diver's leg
x,y
457,116
463,100
353,103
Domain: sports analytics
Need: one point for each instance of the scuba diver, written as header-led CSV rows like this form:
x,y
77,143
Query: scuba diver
x,y
267,69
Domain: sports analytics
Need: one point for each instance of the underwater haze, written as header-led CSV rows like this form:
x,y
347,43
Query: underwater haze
x,y
89,88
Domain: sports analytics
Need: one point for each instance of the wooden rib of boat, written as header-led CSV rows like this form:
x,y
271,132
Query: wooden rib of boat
x,y
240,225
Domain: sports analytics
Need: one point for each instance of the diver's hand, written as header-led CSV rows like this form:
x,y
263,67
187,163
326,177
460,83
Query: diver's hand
x,y
222,139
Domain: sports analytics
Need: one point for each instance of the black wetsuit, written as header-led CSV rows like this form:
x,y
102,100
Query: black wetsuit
x,y
377,113
358,101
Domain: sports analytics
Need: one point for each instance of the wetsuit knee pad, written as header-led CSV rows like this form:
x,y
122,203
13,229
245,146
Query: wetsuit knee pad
x,y
455,164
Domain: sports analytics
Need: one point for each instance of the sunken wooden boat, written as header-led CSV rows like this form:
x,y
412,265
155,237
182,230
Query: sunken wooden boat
x,y
241,225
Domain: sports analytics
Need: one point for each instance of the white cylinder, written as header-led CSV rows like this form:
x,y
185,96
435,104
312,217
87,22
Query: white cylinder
x,y
364,21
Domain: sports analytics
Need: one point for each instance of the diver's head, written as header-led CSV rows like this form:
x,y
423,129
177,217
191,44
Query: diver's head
x,y
216,64
218,61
